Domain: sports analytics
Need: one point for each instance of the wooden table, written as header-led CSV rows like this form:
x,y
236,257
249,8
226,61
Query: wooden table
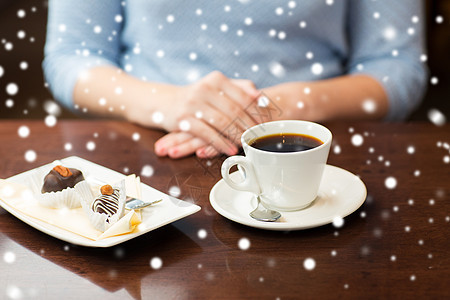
x,y
395,246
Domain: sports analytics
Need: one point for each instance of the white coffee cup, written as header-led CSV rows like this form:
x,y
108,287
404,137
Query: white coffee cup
x,y
285,181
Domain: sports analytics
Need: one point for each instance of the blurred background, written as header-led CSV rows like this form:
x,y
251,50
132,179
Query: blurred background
x,y
22,87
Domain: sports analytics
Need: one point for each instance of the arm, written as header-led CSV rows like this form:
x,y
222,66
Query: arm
x,y
80,35
342,98
385,79
388,47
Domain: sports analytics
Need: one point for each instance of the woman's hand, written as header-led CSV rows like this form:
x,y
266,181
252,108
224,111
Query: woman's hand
x,y
211,109
203,140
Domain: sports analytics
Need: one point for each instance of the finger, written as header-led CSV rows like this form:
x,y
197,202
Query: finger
x,y
247,86
236,93
241,117
170,140
263,110
233,94
225,115
210,135
230,128
209,100
186,148
206,152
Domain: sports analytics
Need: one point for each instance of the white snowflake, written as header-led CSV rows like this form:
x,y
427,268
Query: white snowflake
x,y
317,68
30,155
309,264
390,33
97,29
357,140
156,263
277,69
390,182
9,46
160,53
147,171
90,146
136,136
244,243
21,34
170,19
337,149
174,191
436,117
50,120
184,125
12,89
23,65
21,13
338,221
369,106
23,131
52,108
9,257
202,234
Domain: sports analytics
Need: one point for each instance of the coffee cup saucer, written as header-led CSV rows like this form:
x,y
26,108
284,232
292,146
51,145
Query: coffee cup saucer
x,y
340,194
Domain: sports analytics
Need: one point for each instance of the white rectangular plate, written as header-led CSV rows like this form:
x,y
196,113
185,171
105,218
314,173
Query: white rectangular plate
x,y
153,217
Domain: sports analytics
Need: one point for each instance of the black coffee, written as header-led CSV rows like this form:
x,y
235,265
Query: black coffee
x,y
285,142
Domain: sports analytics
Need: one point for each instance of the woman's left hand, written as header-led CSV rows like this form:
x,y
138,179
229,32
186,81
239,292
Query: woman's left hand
x,y
181,144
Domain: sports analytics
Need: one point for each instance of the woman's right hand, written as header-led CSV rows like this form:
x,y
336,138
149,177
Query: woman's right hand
x,y
212,109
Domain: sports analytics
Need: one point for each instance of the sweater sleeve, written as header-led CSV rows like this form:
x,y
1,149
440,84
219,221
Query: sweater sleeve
x,y
386,41
80,35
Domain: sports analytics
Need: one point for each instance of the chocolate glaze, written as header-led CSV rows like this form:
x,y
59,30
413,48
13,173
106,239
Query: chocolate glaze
x,y
107,204
55,182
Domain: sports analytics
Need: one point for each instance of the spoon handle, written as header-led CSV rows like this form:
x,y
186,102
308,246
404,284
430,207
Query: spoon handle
x,y
141,204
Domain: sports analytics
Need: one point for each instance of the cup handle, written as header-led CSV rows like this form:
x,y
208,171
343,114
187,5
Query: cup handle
x,y
249,184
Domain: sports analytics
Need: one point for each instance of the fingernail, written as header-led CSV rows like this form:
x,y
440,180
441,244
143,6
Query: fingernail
x,y
207,150
232,150
173,152
210,151
160,150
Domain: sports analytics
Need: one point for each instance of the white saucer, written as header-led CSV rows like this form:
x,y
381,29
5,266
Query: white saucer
x,y
340,194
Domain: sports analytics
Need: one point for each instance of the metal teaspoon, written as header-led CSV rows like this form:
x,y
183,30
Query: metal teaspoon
x,y
134,203
261,213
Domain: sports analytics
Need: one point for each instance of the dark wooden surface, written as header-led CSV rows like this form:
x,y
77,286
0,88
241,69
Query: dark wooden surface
x,y
395,246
